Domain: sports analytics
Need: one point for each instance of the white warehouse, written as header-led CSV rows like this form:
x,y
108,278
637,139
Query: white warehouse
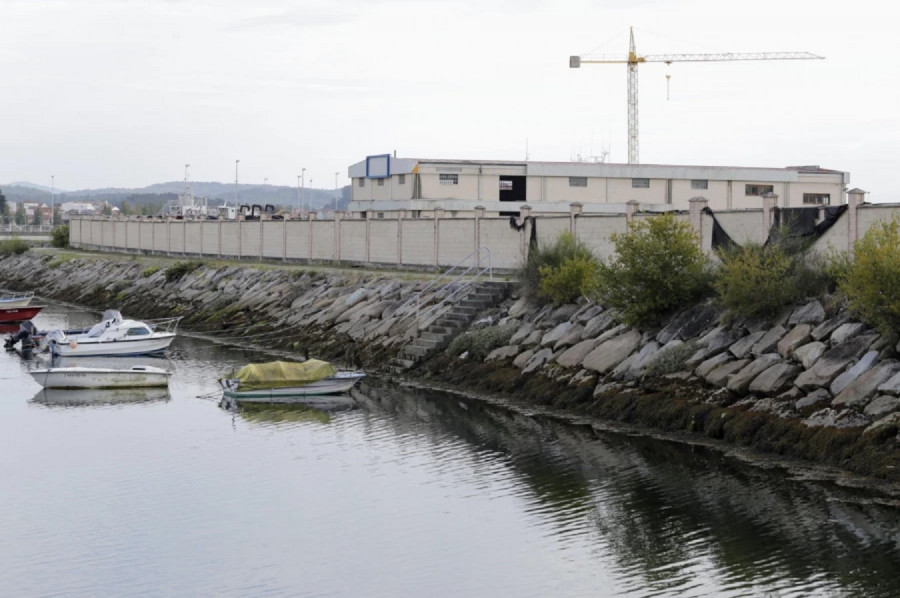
x,y
384,183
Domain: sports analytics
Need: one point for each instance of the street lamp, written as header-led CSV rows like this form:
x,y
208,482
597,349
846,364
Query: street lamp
x,y
309,195
302,184
236,162
335,190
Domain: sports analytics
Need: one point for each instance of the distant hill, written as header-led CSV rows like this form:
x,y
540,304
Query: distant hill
x,y
160,193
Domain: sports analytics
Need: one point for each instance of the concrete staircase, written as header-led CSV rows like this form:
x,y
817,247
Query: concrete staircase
x,y
454,321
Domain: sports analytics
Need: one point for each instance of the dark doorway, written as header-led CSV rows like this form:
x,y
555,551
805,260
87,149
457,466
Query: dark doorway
x,y
512,188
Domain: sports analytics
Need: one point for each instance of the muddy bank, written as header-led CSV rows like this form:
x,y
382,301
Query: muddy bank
x,y
812,385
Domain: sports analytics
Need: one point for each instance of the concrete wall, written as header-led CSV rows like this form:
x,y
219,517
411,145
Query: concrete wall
x,y
429,242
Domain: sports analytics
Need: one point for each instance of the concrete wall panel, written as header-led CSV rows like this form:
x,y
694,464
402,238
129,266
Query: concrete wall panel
x,y
353,240
383,240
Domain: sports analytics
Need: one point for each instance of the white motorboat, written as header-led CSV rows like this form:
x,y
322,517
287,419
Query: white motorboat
x,y
114,335
139,376
281,381
16,299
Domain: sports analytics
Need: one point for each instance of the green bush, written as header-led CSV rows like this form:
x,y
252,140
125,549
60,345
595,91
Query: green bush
x,y
479,343
13,246
178,270
561,272
657,268
671,360
60,236
148,272
760,280
871,282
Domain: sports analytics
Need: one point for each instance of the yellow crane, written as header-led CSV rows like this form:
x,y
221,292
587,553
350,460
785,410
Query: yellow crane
x,y
633,60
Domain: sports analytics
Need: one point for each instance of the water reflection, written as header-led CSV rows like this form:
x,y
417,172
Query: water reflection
x,y
91,397
672,519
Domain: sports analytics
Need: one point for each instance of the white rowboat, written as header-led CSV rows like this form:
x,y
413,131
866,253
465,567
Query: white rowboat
x,y
336,384
139,376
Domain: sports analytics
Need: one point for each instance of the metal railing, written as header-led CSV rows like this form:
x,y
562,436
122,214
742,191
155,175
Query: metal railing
x,y
463,280
18,229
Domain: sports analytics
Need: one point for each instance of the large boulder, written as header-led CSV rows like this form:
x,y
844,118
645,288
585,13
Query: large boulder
x,y
689,323
811,313
862,388
742,347
723,373
575,354
865,363
612,352
809,353
774,380
799,335
834,361
740,381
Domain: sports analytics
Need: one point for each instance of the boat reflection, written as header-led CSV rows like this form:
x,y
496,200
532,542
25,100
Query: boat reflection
x,y
90,397
309,408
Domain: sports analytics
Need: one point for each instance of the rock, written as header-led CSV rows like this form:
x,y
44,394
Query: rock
x,y
623,370
712,363
830,418
642,358
689,323
503,353
811,313
518,308
887,421
554,335
858,392
563,313
537,360
777,378
575,354
769,341
799,335
881,406
846,331
533,339
771,405
892,386
570,338
865,363
721,375
834,361
824,330
817,396
740,381
598,325
809,353
588,314
742,347
523,358
612,352
522,333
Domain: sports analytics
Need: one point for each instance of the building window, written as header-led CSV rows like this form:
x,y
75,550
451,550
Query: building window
x,y
757,190
362,182
506,185
379,214
449,179
401,179
577,181
640,183
818,199
699,184
381,182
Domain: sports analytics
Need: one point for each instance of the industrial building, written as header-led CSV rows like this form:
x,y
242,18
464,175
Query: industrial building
x,y
385,184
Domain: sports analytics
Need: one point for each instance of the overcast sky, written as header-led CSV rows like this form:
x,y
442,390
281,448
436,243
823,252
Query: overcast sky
x,y
124,93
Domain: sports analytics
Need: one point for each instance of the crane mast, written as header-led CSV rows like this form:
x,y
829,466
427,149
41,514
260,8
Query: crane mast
x,y
633,60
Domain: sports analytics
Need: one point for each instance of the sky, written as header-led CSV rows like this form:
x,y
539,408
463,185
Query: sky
x,y
125,93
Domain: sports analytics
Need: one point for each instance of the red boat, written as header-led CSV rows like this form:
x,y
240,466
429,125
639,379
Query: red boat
x,y
19,314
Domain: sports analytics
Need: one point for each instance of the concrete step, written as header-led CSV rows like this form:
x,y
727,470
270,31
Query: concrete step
x,y
434,336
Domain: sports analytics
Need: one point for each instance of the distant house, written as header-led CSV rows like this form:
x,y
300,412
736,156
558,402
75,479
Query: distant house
x,y
77,208
384,183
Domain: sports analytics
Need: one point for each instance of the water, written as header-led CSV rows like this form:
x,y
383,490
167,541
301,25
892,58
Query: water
x,y
395,493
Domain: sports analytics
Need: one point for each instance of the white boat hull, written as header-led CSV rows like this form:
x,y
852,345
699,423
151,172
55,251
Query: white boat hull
x,y
81,377
339,383
87,347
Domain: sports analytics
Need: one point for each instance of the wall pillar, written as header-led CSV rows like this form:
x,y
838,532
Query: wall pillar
x,y
630,209
770,200
369,236
855,198
438,214
524,213
338,216
575,210
479,214
309,240
696,207
401,214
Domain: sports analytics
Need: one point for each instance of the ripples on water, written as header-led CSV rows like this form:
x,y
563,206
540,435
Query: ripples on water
x,y
394,493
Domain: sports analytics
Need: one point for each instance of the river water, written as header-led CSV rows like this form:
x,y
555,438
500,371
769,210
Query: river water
x,y
395,492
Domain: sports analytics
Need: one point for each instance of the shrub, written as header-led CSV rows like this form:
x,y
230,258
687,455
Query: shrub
x,y
13,246
759,280
657,267
671,360
60,236
479,343
565,265
178,270
871,282
148,272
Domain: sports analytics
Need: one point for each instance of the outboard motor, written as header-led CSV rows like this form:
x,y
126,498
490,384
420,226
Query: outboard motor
x,y
25,333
